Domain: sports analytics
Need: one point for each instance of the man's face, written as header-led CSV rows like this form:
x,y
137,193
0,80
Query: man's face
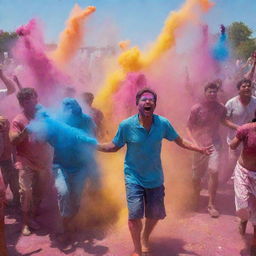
x,y
30,103
211,94
146,104
245,90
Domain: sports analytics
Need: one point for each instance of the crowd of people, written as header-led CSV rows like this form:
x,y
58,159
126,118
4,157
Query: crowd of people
x,y
28,160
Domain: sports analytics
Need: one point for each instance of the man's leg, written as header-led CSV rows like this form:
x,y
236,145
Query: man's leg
x,y
154,211
65,204
135,199
25,180
149,226
243,198
212,188
135,227
3,249
13,180
199,167
196,182
213,180
40,185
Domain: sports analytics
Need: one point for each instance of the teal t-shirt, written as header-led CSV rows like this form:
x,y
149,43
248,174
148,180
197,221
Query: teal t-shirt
x,y
142,164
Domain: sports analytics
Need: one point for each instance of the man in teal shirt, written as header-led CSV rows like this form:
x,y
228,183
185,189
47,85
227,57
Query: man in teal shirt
x,y
143,134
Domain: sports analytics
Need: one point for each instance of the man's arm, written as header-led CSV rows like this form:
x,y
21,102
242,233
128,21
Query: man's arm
x,y
17,137
250,73
17,81
10,86
190,146
234,143
229,124
107,147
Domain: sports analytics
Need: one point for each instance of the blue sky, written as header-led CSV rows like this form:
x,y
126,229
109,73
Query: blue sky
x,y
137,20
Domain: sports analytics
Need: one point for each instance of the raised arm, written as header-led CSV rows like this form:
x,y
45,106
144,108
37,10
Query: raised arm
x,y
250,73
193,147
107,147
10,86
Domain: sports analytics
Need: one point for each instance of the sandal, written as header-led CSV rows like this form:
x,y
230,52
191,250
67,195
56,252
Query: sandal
x,y
213,212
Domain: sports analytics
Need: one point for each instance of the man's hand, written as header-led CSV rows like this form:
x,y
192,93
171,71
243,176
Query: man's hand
x,y
207,150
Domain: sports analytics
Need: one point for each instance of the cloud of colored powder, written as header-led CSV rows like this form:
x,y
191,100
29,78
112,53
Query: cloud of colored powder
x,y
37,69
72,37
133,60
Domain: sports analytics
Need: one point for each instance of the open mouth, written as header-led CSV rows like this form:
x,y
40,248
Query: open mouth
x,y
147,108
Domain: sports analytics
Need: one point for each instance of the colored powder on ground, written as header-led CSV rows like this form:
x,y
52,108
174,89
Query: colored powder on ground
x,y
72,37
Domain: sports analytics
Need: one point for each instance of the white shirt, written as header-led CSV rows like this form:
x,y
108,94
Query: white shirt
x,y
239,114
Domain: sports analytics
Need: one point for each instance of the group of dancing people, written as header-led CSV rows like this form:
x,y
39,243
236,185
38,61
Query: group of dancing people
x,y
69,142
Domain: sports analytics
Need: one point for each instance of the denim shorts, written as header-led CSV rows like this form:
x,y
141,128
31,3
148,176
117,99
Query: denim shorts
x,y
148,202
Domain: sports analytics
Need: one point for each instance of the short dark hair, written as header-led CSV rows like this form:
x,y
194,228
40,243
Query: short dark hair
x,y
211,86
26,94
243,81
142,91
88,96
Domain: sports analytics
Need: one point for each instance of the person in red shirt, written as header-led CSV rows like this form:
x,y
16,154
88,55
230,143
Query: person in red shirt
x,y
203,129
33,159
245,178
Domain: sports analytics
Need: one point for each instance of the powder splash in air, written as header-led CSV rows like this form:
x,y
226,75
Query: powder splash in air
x,y
220,51
133,60
72,37
38,70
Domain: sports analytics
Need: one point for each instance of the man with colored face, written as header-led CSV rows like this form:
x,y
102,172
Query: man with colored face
x,y
33,161
240,110
143,134
203,129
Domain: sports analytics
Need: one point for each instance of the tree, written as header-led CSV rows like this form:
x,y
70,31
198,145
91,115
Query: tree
x,y
6,40
241,41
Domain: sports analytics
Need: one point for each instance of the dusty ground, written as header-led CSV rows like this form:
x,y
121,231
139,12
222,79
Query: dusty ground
x,y
191,234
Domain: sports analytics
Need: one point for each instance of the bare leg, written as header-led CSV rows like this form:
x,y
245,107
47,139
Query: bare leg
x,y
197,189
212,189
135,227
149,226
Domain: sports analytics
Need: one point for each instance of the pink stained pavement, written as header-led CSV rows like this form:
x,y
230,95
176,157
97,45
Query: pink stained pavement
x,y
191,234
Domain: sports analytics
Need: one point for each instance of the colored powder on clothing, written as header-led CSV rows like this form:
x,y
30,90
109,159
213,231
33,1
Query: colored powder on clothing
x,y
220,51
75,148
72,37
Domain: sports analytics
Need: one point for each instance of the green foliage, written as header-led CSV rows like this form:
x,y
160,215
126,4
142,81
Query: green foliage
x,y
240,40
7,39
245,49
